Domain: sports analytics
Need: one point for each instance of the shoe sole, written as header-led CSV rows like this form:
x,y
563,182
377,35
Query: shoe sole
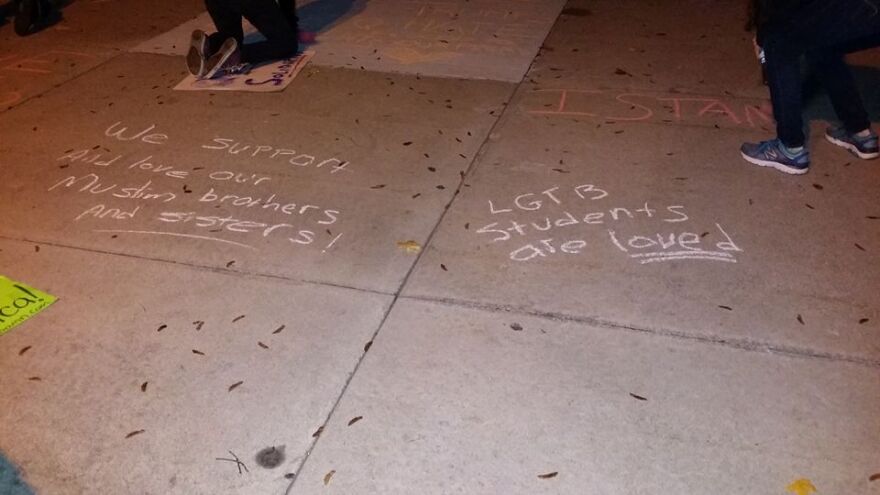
x,y
195,57
852,148
778,166
217,67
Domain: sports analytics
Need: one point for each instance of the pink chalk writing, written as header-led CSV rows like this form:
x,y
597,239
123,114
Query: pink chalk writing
x,y
640,107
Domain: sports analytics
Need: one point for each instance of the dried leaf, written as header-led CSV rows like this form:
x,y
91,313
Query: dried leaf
x,y
198,324
860,247
863,321
444,267
264,346
800,319
318,432
355,420
144,386
24,350
234,386
638,397
377,186
237,318
328,476
136,432
196,351
162,327
410,247
278,330
547,476
368,345
728,308
874,477
818,186
516,327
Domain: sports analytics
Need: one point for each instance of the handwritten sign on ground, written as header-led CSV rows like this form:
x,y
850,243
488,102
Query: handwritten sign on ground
x,y
18,302
266,78
562,221
626,106
138,193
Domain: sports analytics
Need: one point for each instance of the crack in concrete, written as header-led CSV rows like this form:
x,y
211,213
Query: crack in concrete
x,y
207,268
739,343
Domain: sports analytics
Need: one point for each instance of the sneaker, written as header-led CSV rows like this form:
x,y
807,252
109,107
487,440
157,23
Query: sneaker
x,y
227,56
865,148
774,154
197,56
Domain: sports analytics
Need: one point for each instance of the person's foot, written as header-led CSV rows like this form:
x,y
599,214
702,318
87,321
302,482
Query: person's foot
x,y
774,154
197,56
227,56
863,146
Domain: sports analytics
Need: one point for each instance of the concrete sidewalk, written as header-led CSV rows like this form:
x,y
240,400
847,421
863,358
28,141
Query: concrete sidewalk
x,y
474,247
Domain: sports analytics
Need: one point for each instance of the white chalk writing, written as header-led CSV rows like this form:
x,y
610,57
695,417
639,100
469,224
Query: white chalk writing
x,y
571,213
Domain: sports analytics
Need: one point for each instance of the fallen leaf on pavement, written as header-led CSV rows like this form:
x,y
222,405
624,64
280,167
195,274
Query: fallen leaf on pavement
x,y
411,247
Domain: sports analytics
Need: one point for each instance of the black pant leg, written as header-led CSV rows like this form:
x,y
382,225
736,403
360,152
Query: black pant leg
x,y
837,78
269,19
288,8
226,15
820,27
784,81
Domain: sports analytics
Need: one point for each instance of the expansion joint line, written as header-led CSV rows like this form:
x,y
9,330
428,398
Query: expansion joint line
x,y
461,183
733,343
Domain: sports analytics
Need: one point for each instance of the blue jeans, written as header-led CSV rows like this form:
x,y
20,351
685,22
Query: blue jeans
x,y
822,31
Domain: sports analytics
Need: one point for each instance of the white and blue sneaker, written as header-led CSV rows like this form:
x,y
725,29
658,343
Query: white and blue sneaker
x,y
774,154
864,147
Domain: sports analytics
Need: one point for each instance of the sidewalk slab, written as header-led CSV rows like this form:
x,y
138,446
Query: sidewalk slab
x,y
650,46
587,220
476,39
502,400
144,373
689,49
82,40
319,182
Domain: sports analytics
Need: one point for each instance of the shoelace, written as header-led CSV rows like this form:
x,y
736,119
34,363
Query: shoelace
x,y
242,68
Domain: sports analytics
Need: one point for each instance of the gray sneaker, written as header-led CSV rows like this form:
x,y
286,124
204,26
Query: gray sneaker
x,y
866,147
196,57
227,56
